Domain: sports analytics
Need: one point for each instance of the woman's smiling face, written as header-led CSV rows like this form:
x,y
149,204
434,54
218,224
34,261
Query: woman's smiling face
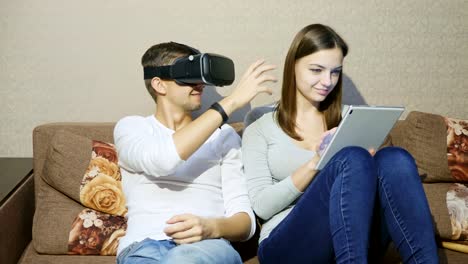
x,y
317,74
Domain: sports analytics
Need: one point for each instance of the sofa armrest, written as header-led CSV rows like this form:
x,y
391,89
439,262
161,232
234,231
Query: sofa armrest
x,y
16,216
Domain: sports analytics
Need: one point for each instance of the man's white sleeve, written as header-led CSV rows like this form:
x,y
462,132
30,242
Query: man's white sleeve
x,y
143,149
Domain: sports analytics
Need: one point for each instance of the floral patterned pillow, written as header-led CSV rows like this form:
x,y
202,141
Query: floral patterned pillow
x,y
96,233
457,148
457,204
101,187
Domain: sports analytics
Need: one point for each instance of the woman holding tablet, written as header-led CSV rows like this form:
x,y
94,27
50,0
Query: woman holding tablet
x,y
312,216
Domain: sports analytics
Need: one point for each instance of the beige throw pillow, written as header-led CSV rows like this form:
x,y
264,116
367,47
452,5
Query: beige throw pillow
x,y
424,135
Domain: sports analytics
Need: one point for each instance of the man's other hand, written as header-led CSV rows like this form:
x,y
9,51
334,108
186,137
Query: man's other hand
x,y
188,228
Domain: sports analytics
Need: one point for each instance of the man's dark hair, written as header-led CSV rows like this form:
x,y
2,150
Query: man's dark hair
x,y
164,54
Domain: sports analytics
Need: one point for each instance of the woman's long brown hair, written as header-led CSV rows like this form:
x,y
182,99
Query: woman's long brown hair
x,y
309,40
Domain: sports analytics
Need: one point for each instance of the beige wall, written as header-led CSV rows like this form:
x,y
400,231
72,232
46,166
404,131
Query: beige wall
x,y
79,60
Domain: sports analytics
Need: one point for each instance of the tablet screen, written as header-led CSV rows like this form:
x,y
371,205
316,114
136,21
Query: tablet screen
x,y
363,126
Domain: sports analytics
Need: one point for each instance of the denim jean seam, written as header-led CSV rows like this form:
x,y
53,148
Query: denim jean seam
x,y
343,164
260,252
397,220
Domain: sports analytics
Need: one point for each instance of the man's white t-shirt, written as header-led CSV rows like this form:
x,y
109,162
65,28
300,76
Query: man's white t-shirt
x,y
158,184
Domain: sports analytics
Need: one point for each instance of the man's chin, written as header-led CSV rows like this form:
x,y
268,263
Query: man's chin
x,y
194,108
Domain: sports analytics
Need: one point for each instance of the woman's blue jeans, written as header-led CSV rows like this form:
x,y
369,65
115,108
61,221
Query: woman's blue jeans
x,y
355,197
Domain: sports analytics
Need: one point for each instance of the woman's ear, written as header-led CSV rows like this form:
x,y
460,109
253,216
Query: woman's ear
x,y
158,85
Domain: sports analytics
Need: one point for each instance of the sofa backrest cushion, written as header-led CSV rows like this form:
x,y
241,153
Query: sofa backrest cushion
x,y
67,159
43,135
86,170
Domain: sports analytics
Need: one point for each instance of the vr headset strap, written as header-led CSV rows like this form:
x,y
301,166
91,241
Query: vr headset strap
x,y
164,72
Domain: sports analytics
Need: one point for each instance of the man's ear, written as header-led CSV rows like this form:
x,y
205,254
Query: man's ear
x,y
159,86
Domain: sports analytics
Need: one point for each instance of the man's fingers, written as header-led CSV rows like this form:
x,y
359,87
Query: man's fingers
x,y
266,78
179,223
179,218
264,89
195,231
263,68
177,227
188,240
254,65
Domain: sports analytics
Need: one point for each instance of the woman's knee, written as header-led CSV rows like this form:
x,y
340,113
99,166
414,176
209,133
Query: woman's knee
x,y
354,153
354,157
394,156
354,161
396,160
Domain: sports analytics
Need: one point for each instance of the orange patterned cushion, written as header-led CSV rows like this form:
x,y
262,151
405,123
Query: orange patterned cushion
x,y
101,187
86,171
457,200
93,232
457,148
96,233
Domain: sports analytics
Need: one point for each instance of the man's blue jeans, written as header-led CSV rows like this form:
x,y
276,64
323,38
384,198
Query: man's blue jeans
x,y
351,198
166,251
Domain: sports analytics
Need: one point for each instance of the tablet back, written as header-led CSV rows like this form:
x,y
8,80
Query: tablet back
x,y
363,126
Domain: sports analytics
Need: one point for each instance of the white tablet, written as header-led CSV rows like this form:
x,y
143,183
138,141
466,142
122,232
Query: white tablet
x,y
363,126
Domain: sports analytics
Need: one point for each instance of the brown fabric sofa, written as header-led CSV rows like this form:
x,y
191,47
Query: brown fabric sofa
x,y
56,211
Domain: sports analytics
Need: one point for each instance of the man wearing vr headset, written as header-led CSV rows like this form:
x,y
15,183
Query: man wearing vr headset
x,y
182,178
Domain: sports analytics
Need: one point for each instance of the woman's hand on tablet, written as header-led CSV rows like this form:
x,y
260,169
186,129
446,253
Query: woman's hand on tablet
x,y
325,140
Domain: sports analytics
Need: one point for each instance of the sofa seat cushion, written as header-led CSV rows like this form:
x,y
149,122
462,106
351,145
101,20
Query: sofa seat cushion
x,y
31,256
449,203
436,194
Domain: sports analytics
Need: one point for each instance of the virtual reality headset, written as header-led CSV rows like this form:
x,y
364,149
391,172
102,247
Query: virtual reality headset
x,y
204,68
